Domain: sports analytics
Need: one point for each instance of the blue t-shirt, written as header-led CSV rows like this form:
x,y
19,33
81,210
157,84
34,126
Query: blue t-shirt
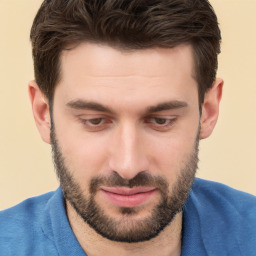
x,y
217,221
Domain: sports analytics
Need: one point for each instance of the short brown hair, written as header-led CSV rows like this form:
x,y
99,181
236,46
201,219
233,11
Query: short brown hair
x,y
127,24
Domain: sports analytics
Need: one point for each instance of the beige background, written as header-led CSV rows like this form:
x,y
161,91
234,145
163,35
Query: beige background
x,y
228,156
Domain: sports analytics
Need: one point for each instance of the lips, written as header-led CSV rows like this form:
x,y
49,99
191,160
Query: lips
x,y
128,197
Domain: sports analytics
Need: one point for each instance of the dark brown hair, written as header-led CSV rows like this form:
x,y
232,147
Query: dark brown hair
x,y
126,24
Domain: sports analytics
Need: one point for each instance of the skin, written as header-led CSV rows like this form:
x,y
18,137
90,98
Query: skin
x,y
129,138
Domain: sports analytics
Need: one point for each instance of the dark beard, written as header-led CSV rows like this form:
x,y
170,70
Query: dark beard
x,y
127,229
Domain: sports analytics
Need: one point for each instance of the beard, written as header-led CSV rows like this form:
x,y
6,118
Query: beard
x,y
127,228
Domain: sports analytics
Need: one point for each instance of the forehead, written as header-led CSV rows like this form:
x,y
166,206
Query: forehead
x,y
102,73
96,57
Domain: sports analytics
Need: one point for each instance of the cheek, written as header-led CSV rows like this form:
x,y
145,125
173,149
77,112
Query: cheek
x,y
84,155
170,154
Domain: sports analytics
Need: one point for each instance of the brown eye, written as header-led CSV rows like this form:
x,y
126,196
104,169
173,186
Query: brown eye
x,y
160,121
96,124
95,121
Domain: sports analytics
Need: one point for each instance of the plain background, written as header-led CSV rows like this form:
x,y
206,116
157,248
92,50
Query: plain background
x,y
228,156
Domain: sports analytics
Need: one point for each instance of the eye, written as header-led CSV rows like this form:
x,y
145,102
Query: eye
x,y
95,121
160,123
95,124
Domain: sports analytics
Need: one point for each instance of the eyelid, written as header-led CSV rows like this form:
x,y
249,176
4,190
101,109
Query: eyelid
x,y
163,118
90,121
90,127
170,121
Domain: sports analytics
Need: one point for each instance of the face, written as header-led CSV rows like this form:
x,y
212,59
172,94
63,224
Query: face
x,y
125,137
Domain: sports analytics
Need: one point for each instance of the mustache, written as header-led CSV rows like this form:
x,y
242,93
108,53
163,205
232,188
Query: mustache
x,y
143,178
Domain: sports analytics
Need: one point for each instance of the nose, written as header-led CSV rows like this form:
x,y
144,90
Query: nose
x,y
128,154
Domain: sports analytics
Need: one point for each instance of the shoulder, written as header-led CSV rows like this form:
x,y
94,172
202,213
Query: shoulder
x,y
20,226
226,217
28,211
220,195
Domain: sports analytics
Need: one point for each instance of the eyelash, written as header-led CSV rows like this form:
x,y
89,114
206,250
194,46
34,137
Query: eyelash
x,y
168,123
95,127
103,123
169,120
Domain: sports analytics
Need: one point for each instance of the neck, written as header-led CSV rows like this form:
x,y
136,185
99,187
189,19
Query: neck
x,y
168,242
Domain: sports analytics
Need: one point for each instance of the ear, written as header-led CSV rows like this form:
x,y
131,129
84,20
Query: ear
x,y
210,109
40,108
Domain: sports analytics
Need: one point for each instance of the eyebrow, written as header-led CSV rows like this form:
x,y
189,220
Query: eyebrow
x,y
88,105
175,104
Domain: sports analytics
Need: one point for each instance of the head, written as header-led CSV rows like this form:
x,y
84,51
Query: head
x,y
124,90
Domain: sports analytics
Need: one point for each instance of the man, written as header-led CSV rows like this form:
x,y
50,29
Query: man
x,y
123,92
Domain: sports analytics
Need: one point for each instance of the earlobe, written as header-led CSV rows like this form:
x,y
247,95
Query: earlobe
x,y
210,109
40,108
